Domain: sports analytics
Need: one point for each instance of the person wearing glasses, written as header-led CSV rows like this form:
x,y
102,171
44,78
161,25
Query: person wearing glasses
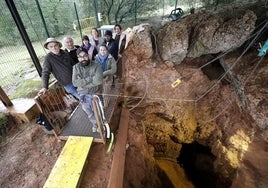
x,y
60,64
88,78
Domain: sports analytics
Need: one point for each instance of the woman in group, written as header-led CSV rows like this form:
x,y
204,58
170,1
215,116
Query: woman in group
x,y
108,65
96,40
91,49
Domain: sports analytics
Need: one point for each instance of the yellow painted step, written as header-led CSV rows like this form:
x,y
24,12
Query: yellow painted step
x,y
69,165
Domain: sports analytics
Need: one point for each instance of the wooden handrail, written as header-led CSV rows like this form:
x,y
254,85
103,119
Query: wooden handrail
x,y
4,98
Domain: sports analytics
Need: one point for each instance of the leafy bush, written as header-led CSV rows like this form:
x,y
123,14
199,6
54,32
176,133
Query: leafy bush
x,y
3,120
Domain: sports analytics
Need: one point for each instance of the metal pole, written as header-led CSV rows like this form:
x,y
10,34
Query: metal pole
x,y
163,7
96,12
135,12
176,4
42,17
24,35
77,17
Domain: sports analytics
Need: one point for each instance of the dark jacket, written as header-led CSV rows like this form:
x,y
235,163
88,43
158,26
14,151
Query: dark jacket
x,y
120,42
60,66
91,50
112,48
73,53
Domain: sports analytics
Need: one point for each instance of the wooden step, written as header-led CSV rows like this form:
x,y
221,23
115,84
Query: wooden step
x,y
68,168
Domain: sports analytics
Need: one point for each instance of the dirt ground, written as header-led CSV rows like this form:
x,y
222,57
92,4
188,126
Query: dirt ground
x,y
28,154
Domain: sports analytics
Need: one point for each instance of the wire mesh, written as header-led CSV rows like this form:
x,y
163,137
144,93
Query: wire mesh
x,y
43,19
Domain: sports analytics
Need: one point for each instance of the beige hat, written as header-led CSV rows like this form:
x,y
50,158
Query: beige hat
x,y
52,40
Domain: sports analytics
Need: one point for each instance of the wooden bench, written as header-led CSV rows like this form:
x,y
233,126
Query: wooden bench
x,y
68,168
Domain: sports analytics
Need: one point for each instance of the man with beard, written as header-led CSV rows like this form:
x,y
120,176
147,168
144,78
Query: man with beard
x,y
88,78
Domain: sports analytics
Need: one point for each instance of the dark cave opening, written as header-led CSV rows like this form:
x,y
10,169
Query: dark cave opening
x,y
215,71
197,162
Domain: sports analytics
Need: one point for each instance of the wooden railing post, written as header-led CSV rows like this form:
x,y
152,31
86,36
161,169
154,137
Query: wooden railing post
x,y
4,98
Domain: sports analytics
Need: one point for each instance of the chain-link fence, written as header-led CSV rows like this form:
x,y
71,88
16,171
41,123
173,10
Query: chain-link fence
x,y
42,19
19,76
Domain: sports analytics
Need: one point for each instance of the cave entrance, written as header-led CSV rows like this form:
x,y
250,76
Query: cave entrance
x,y
215,71
197,162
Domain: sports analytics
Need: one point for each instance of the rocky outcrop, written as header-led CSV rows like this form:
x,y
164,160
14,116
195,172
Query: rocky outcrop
x,y
215,35
201,34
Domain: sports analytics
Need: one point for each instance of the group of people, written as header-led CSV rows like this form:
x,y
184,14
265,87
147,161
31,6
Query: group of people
x,y
87,69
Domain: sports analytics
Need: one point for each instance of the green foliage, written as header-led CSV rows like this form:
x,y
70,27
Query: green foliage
x,y
3,119
28,89
209,3
8,28
119,11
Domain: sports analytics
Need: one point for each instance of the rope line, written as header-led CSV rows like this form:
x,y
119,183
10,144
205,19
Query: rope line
x,y
231,101
231,67
146,90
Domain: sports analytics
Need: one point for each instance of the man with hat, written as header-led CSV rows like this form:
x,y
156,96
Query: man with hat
x,y
88,78
60,64
111,44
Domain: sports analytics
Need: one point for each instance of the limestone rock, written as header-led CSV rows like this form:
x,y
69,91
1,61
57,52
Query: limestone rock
x,y
215,35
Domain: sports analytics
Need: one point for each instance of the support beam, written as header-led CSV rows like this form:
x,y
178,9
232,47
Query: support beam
x,y
117,170
4,98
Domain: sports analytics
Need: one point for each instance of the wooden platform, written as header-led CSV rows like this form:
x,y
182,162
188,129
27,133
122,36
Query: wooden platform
x,y
68,168
79,124
24,109
66,116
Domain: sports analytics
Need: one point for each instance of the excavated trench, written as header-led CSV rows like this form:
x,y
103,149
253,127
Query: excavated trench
x,y
198,132
196,159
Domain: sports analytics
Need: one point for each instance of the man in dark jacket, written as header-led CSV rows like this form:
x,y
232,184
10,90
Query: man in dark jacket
x,y
70,47
60,64
111,44
88,78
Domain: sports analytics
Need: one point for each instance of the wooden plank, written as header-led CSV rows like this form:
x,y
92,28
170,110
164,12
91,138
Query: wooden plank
x,y
69,166
117,170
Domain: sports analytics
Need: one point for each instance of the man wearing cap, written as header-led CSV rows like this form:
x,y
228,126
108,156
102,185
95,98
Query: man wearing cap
x,y
111,44
60,64
88,78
